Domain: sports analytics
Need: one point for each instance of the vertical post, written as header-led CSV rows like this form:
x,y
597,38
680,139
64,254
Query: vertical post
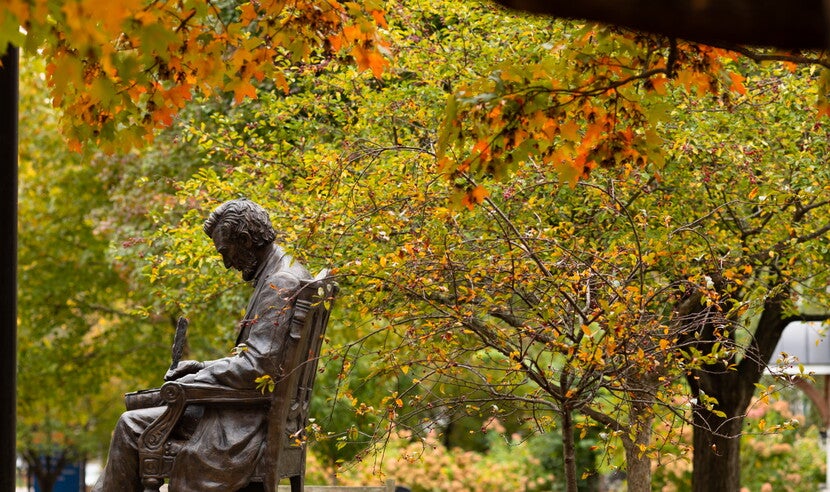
x,y
8,264
826,439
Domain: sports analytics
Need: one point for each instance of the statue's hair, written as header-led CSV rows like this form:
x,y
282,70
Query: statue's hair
x,y
242,215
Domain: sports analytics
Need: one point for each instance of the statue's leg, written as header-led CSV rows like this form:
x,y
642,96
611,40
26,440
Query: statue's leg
x,y
121,471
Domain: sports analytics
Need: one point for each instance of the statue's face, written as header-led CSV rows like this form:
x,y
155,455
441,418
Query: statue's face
x,y
238,254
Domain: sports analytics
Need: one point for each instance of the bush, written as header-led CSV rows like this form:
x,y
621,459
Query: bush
x,y
426,465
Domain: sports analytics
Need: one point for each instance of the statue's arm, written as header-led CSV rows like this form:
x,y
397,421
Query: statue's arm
x,y
262,351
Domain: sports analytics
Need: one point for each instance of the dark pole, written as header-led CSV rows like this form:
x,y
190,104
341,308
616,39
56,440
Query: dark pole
x,y
8,266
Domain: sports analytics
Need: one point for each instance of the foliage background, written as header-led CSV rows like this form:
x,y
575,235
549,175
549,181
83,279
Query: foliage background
x,y
437,259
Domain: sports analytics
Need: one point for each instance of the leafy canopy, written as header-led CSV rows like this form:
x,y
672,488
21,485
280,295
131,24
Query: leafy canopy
x,y
119,70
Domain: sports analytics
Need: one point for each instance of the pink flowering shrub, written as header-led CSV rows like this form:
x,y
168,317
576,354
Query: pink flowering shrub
x,y
426,465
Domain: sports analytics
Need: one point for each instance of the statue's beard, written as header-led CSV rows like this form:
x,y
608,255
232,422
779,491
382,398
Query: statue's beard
x,y
248,266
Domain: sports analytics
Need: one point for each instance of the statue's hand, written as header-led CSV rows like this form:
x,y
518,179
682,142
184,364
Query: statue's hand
x,y
184,368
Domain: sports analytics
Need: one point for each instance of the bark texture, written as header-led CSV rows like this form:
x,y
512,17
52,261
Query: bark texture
x,y
717,453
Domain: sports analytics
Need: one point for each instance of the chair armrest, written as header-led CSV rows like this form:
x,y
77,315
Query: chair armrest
x,y
206,394
176,396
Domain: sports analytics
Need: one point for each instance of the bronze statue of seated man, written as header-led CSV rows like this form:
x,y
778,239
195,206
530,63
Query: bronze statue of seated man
x,y
220,446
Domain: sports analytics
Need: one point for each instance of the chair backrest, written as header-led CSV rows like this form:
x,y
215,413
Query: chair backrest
x,y
285,447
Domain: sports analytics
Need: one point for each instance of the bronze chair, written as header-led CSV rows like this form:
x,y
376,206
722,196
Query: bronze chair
x,y
287,406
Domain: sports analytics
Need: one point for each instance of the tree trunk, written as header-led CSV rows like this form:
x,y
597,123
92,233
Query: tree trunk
x,y
717,452
638,471
45,480
637,461
46,469
569,450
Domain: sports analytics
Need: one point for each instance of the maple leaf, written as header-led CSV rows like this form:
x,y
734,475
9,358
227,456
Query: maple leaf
x,y
242,90
281,82
659,84
570,130
367,58
737,83
479,193
163,115
179,95
249,13
380,18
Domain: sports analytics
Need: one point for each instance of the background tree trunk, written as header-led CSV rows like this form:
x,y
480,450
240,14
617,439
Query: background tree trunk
x,y
717,452
638,470
569,450
638,462
46,469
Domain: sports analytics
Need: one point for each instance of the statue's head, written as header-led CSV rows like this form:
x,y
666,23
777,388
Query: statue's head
x,y
241,231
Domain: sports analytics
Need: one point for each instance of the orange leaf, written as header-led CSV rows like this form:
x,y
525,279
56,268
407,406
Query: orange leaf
x,y
281,82
242,90
481,147
249,13
179,95
75,145
336,43
474,197
659,84
377,63
479,193
570,130
379,17
367,58
163,115
737,83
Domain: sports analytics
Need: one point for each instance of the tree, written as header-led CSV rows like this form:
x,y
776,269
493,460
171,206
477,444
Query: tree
x,y
75,323
578,114
767,251
588,107
592,298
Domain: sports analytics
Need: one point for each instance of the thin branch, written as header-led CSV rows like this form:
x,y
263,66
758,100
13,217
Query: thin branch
x,y
759,57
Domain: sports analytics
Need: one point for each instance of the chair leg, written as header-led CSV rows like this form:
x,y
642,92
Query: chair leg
x,y
152,484
253,487
297,483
